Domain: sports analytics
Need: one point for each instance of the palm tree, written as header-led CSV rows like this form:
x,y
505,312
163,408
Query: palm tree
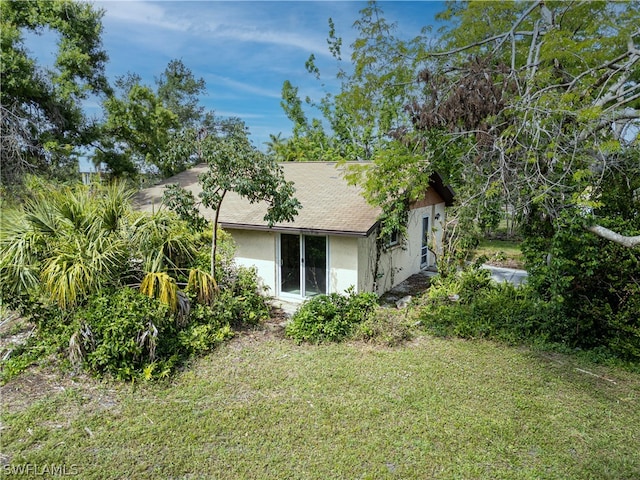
x,y
65,243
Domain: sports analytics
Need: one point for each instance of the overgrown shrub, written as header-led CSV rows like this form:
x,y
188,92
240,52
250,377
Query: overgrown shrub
x,y
387,327
126,334
120,333
331,318
244,298
470,305
590,284
72,261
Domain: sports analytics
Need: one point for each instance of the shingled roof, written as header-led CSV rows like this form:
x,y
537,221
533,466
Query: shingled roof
x,y
330,206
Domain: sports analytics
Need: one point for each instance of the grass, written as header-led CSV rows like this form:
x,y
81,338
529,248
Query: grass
x,y
501,252
446,409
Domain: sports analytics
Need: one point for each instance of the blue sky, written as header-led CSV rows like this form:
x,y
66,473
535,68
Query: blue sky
x,y
243,50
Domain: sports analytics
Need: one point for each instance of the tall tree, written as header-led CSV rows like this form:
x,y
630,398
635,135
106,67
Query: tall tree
x,y
549,95
376,82
179,91
235,165
154,129
41,114
545,98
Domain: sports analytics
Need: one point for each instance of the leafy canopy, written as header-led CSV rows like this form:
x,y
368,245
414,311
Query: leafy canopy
x,y
42,120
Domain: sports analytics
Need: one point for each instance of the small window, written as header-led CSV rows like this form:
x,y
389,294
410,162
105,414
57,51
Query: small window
x,y
393,239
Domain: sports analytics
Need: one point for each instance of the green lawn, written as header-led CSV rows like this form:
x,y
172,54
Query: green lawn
x,y
501,252
262,407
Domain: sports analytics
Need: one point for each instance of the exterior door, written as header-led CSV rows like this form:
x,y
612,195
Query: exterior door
x,y
290,264
424,251
303,265
315,266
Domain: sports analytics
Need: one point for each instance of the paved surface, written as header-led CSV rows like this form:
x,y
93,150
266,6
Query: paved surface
x,y
288,307
501,274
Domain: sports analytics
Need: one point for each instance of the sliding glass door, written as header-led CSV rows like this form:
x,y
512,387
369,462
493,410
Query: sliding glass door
x,y
303,265
290,264
315,265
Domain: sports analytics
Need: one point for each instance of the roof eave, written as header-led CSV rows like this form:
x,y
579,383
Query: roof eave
x,y
445,191
299,230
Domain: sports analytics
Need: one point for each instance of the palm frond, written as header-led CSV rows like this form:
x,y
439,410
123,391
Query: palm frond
x,y
20,251
148,339
81,266
161,286
162,235
203,285
114,205
42,217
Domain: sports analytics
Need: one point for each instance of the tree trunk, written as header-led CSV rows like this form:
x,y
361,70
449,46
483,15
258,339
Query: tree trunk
x,y
623,240
214,240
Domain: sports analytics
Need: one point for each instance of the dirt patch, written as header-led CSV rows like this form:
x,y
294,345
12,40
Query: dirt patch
x,y
42,381
14,331
271,329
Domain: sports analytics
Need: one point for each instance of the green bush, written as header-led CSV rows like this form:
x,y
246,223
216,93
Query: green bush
x,y
330,318
67,259
590,284
386,327
126,334
472,306
244,299
120,333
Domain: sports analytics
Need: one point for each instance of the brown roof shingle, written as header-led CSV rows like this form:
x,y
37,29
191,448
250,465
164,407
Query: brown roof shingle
x,y
329,204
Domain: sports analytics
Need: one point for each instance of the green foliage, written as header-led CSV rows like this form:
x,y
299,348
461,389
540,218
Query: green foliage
x,y
128,335
64,243
154,128
68,259
590,283
140,124
179,90
330,318
120,333
235,165
376,86
470,305
244,298
42,118
184,204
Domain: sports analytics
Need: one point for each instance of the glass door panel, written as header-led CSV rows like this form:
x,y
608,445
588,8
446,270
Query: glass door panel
x,y
290,264
424,254
315,265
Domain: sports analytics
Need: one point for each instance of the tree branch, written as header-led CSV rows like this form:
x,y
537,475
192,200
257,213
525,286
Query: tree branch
x,y
607,234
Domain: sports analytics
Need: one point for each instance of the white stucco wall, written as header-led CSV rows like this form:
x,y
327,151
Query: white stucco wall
x,y
438,231
343,263
351,260
366,262
401,261
257,248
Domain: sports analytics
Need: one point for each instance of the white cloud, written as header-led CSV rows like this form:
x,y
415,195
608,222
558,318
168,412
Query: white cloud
x,y
213,79
249,34
144,14
243,115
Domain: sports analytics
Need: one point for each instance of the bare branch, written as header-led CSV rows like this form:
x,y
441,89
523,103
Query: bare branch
x,y
625,241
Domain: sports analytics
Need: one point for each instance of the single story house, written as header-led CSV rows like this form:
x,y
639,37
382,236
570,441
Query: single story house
x,y
331,244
